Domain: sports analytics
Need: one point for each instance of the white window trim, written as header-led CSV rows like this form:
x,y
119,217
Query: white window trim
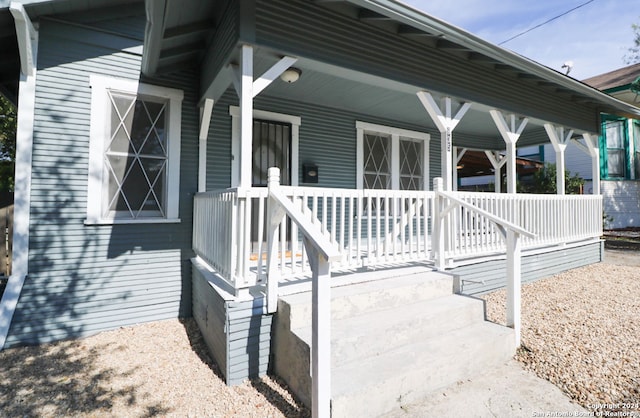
x,y
294,121
396,133
100,107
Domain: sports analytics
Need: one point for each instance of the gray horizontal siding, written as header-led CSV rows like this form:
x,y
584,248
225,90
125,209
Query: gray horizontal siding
x,y
491,275
209,313
249,340
621,201
238,334
327,138
86,278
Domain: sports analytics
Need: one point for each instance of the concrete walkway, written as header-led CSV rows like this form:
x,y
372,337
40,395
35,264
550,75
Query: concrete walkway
x,y
506,391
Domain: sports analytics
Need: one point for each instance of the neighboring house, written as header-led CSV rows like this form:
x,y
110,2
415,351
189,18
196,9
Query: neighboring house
x,y
620,149
146,131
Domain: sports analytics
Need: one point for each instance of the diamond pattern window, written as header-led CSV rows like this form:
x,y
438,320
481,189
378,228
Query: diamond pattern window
x,y
134,152
377,156
136,158
390,158
411,171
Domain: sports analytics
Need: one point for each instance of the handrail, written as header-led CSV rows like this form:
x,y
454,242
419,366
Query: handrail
x,y
514,248
496,219
321,252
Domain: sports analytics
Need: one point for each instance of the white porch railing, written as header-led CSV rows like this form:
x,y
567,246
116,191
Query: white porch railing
x,y
369,227
554,220
375,227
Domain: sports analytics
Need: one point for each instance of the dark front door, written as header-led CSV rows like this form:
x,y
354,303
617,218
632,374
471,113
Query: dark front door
x,y
271,148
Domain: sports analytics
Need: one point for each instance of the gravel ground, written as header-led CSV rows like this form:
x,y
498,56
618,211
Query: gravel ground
x,y
156,369
581,331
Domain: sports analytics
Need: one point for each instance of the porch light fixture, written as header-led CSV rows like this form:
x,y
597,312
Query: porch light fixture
x,y
291,75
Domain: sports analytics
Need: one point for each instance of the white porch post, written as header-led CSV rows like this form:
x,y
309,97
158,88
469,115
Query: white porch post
x,y
246,114
510,134
321,331
438,225
247,89
497,161
457,157
514,283
559,141
205,121
275,216
591,147
445,124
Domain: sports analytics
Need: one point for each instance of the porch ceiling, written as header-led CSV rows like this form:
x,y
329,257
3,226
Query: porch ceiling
x,y
378,98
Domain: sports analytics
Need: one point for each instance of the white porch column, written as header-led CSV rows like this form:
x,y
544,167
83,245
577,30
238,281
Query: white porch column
x,y
321,331
445,124
246,114
514,283
497,161
458,153
510,134
247,89
205,121
591,147
559,141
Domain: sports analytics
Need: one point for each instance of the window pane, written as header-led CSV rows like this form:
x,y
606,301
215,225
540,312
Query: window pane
x,y
615,163
117,168
135,187
121,120
377,155
411,177
615,134
136,157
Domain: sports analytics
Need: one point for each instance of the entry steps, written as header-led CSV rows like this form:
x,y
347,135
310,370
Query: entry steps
x,y
393,341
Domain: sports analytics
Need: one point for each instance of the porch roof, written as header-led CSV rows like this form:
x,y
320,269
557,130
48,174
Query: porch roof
x,y
183,35
9,55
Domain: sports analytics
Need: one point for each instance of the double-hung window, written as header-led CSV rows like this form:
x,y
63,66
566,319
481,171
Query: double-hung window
x,y
616,143
391,158
134,152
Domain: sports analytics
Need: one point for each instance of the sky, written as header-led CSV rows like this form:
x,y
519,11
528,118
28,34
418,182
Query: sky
x,y
595,37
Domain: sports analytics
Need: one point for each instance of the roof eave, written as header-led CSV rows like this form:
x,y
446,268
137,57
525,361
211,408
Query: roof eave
x,y
420,20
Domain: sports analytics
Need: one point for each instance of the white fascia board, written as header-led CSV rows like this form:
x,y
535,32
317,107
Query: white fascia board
x,y
26,36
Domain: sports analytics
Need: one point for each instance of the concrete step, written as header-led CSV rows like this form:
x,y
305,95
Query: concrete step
x,y
393,341
369,334
356,299
378,384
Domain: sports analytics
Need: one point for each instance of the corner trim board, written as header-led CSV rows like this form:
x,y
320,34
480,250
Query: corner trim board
x,y
24,150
